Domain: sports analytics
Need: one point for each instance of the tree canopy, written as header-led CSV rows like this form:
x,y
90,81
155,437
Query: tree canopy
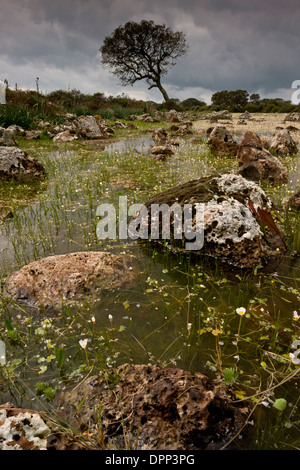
x,y
143,51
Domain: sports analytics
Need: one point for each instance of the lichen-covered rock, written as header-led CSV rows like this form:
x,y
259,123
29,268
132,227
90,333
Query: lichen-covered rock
x,y
7,137
283,144
232,231
88,127
257,163
69,278
220,132
15,163
156,408
221,142
22,429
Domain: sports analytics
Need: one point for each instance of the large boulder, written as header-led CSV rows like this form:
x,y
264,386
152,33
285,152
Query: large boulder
x,y
257,163
15,163
283,144
232,224
157,408
69,278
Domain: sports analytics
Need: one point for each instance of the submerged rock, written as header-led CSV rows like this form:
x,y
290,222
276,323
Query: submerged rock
x,y
156,408
15,163
232,231
69,278
283,144
257,163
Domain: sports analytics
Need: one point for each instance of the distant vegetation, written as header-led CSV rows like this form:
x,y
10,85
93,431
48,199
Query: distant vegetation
x,y
27,108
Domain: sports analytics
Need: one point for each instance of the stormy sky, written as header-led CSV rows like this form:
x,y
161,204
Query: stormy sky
x,y
234,44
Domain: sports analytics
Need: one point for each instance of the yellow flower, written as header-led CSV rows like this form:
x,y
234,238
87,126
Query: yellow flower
x,y
241,311
216,332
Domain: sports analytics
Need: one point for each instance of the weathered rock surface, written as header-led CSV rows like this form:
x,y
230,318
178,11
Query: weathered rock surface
x,y
7,137
232,231
283,144
65,136
161,152
160,136
294,201
156,408
221,115
88,128
221,141
293,116
22,429
257,163
15,163
70,277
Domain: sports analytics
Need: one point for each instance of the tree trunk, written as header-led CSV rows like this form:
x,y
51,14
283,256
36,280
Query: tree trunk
x,y
161,89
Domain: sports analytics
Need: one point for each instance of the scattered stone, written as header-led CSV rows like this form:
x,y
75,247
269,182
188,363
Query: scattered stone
x,y
283,144
232,233
65,136
32,135
256,163
221,142
159,136
17,130
292,129
221,115
158,408
245,115
68,278
294,201
241,122
161,152
15,163
7,137
88,128
293,116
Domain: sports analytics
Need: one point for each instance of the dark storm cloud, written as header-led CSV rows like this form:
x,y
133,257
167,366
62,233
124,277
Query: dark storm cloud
x,y
233,44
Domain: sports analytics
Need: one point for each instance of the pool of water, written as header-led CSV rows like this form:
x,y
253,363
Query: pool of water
x,y
182,310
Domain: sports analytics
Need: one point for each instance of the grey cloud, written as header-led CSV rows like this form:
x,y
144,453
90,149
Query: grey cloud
x,y
250,45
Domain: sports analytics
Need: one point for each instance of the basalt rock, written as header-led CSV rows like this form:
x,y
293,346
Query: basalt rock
x,y
15,163
283,144
156,408
69,278
232,228
257,163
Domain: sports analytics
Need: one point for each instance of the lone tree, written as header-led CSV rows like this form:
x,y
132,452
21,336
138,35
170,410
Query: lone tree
x,y
143,51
